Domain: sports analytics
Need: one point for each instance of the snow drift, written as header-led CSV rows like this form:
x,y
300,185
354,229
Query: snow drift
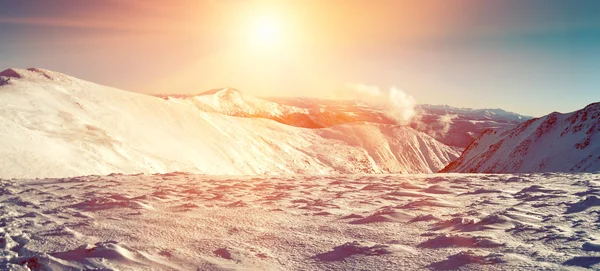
x,y
54,125
178,221
556,142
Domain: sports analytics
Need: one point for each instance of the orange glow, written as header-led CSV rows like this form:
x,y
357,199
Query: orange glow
x,y
262,45
265,48
301,48
267,32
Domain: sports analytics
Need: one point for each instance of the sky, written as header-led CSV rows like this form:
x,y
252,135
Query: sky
x,y
528,56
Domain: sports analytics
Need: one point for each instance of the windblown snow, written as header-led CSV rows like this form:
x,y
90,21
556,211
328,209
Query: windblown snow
x,y
553,143
54,125
181,221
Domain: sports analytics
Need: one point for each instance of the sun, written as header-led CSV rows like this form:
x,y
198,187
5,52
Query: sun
x,y
267,32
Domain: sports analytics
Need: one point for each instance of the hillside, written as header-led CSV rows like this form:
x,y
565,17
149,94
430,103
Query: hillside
x,y
456,127
556,142
54,125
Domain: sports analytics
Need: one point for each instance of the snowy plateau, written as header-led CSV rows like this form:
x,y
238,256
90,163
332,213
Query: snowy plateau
x,y
97,178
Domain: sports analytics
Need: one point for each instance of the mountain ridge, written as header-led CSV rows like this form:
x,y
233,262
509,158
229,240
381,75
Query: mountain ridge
x,y
61,126
456,127
556,142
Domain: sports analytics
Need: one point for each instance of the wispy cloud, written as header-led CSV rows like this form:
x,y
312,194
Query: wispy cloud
x,y
61,22
121,23
397,104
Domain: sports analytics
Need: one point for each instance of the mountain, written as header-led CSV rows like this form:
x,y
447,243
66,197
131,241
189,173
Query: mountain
x,y
499,115
556,142
232,102
456,127
299,112
459,127
54,125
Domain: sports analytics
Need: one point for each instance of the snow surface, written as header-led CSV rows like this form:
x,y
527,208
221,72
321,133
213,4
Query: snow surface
x,y
180,221
553,143
54,125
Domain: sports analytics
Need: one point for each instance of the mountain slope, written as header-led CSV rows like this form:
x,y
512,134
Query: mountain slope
x,y
456,127
54,125
556,142
313,113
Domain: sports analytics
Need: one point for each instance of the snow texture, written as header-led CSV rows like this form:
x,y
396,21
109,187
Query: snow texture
x,y
181,221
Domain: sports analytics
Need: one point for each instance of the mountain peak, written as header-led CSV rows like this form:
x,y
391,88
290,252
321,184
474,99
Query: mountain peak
x,y
221,91
47,73
593,106
32,73
8,74
13,73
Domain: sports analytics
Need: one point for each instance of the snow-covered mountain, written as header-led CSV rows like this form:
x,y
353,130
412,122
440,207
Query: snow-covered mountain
x,y
556,142
497,114
54,125
459,127
299,112
456,127
232,102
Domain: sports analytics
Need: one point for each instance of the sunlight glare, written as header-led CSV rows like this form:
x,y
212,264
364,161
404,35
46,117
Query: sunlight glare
x,y
267,32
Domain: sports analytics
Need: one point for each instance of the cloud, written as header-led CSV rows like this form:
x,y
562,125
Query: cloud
x,y
61,22
91,21
446,121
437,127
397,104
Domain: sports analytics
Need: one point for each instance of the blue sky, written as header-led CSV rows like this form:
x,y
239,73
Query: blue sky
x,y
527,56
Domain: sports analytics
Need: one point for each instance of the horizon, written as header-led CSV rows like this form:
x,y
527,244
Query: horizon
x,y
465,54
345,98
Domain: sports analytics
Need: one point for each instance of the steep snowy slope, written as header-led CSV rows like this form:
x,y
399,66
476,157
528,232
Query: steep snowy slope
x,y
53,125
457,127
556,142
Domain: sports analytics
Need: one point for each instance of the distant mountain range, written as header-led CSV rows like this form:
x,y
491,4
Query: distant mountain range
x,y
456,127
